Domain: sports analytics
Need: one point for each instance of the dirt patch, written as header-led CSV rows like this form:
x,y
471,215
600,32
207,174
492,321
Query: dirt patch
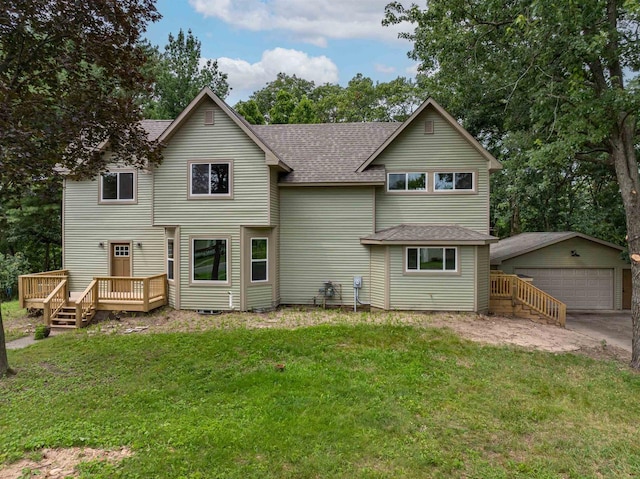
x,y
487,329
60,463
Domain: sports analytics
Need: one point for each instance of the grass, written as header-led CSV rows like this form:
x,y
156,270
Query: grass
x,y
12,315
354,401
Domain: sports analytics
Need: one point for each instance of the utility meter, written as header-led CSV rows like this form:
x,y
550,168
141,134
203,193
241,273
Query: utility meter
x,y
357,282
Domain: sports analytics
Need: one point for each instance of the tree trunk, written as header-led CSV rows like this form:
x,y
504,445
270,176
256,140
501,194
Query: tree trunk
x,y
4,362
626,165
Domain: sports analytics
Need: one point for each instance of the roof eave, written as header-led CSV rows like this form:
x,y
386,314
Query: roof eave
x,y
428,242
330,183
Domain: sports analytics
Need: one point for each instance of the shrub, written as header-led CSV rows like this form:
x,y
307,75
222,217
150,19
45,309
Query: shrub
x,y
42,331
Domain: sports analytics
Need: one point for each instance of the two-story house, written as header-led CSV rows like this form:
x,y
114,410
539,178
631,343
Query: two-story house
x,y
249,217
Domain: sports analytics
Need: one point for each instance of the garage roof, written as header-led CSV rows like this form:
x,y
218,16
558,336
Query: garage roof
x,y
526,242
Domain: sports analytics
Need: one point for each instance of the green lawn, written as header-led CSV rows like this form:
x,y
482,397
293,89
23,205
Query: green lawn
x,y
13,319
364,401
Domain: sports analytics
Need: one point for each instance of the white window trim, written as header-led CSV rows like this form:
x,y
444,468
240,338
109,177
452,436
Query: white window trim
x,y
192,195
171,259
129,201
457,190
192,279
266,280
430,271
406,181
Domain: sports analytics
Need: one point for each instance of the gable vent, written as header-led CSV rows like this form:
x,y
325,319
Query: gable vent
x,y
209,117
428,127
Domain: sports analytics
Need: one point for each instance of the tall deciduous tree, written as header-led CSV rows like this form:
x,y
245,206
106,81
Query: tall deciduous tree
x,y
179,76
565,73
70,80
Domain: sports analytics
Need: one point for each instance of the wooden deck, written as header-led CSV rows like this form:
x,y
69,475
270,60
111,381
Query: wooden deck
x,y
49,291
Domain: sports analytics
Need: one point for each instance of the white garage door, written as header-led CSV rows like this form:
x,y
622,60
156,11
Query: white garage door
x,y
577,288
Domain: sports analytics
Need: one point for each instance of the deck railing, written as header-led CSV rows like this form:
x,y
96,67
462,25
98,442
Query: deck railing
x,y
87,304
39,285
55,301
127,289
511,286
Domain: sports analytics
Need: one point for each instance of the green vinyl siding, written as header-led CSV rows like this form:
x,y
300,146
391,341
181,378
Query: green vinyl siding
x,y
378,276
87,224
320,231
259,297
447,150
432,291
223,141
251,198
483,278
206,295
592,255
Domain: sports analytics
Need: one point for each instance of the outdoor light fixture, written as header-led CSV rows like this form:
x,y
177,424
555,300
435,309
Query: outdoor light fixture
x,y
575,253
101,244
139,245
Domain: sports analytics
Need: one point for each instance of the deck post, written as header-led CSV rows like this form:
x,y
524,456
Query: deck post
x,y
145,294
514,290
21,292
78,314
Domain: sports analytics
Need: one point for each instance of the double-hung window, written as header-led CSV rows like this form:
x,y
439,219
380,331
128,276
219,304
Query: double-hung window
x,y
118,187
431,259
209,260
453,181
406,182
259,260
210,180
170,258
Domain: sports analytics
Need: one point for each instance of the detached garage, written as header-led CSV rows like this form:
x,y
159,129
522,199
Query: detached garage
x,y
581,271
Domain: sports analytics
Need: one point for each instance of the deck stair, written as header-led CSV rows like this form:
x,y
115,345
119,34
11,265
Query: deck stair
x,y
512,295
49,291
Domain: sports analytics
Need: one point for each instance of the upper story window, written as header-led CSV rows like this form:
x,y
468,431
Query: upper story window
x,y
118,187
453,181
431,259
406,182
210,179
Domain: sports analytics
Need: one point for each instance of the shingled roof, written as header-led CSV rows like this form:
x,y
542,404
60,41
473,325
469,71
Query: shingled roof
x,y
426,234
327,152
154,128
526,242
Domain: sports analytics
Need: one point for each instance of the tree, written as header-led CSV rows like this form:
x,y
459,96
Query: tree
x,y
179,76
283,108
70,80
565,75
250,111
304,112
297,87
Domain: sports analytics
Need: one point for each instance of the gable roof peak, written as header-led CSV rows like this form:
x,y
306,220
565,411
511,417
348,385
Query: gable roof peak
x,y
207,93
494,164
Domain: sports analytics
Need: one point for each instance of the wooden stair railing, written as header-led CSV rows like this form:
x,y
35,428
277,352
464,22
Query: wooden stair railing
x,y
55,301
87,304
505,286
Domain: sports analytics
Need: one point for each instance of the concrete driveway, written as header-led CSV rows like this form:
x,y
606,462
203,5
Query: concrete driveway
x,y
614,327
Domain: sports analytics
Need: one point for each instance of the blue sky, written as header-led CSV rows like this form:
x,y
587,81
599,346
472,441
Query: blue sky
x,y
320,40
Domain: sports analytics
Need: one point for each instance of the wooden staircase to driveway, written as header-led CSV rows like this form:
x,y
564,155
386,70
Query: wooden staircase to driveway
x,y
511,295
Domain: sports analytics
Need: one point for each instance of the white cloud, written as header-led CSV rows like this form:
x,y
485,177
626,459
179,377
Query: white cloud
x,y
244,76
380,68
413,69
309,21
